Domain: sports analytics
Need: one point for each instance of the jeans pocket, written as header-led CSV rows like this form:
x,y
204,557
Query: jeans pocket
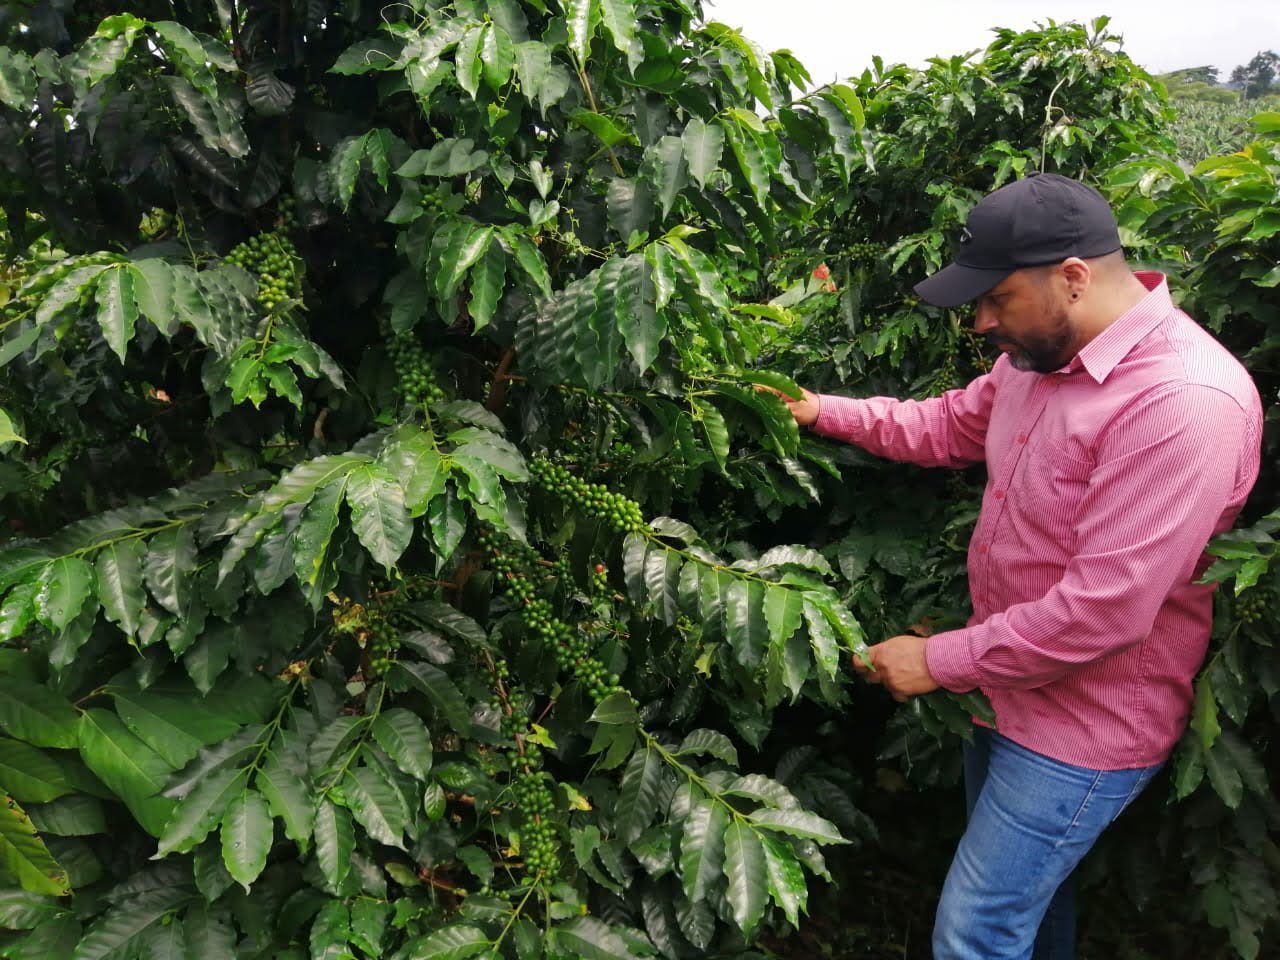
x,y
1139,784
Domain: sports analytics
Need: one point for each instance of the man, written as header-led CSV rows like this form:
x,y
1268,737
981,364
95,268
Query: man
x,y
1119,437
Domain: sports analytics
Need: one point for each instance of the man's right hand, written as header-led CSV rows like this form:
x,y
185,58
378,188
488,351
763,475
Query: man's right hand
x,y
805,410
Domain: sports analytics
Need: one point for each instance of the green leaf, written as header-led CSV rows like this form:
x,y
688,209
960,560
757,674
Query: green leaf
x,y
405,739
415,461
450,157
497,54
344,166
152,282
488,281
706,742
744,868
171,560
24,859
331,932
616,709
18,610
287,799
64,586
335,839
531,261
638,794
669,170
128,919
619,19
119,576
770,378
822,639
200,811
377,806
7,432
608,130
376,53
467,64
441,691
591,939
746,625
17,81
378,513
787,885
448,520
75,815
454,942
247,833
703,144
67,291
37,715
117,308
702,848
1204,713
30,775
798,823
541,79
132,770
311,546
466,245
580,17
208,937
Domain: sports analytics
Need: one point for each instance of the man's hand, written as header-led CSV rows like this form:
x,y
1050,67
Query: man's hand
x,y
805,410
900,665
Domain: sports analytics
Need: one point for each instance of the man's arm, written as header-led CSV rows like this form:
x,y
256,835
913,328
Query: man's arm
x,y
945,431
1166,470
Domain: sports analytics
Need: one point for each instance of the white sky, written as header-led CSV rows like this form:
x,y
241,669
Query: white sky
x,y
837,38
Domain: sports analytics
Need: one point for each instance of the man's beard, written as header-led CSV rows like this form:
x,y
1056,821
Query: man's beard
x,y
1044,353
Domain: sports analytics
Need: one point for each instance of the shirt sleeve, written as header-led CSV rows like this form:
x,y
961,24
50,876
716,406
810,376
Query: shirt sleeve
x,y
945,431
1166,469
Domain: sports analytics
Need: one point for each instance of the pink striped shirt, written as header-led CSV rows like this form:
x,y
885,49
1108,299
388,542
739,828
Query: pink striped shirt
x,y
1105,481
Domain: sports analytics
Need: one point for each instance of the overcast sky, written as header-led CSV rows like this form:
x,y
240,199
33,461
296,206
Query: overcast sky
x,y
837,38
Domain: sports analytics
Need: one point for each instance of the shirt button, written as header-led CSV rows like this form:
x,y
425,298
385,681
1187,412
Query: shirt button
x,y
1022,438
999,494
984,549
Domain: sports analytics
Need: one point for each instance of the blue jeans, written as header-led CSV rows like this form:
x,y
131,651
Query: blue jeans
x,y
1031,820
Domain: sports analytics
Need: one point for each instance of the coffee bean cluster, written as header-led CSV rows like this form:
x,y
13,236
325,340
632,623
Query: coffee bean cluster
x,y
866,252
976,349
274,260
1254,606
415,379
620,512
371,630
515,566
538,841
944,376
600,579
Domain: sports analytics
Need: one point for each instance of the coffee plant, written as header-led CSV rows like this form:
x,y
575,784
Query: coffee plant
x,y
401,557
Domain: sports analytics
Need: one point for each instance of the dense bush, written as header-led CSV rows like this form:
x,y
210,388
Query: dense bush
x,y
399,559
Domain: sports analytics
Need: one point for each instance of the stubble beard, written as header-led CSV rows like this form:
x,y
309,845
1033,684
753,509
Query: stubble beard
x,y
1042,353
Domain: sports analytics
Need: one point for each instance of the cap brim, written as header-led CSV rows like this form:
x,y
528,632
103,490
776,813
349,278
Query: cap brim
x,y
956,284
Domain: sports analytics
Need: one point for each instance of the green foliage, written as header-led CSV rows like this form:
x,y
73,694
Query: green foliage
x,y
393,560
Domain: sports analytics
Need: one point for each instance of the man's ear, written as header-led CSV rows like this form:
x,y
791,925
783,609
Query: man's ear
x,y
1076,275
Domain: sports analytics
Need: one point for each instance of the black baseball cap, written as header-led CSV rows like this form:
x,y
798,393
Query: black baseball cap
x,y
1044,218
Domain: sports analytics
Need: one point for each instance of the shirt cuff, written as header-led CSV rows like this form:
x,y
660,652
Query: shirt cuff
x,y
950,660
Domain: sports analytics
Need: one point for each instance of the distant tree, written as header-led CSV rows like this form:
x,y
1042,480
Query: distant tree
x,y
1205,74
1256,76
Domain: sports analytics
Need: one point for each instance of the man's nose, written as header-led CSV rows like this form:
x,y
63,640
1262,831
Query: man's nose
x,y
984,318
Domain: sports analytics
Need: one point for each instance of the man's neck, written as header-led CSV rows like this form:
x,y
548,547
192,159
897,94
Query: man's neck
x,y
1112,302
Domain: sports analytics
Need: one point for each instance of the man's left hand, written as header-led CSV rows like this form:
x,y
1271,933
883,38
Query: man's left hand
x,y
899,663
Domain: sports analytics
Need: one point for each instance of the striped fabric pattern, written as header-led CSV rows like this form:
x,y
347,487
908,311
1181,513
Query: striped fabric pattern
x,y
1105,481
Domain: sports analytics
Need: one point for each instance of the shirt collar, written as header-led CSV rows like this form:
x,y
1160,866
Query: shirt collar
x,y
1102,354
